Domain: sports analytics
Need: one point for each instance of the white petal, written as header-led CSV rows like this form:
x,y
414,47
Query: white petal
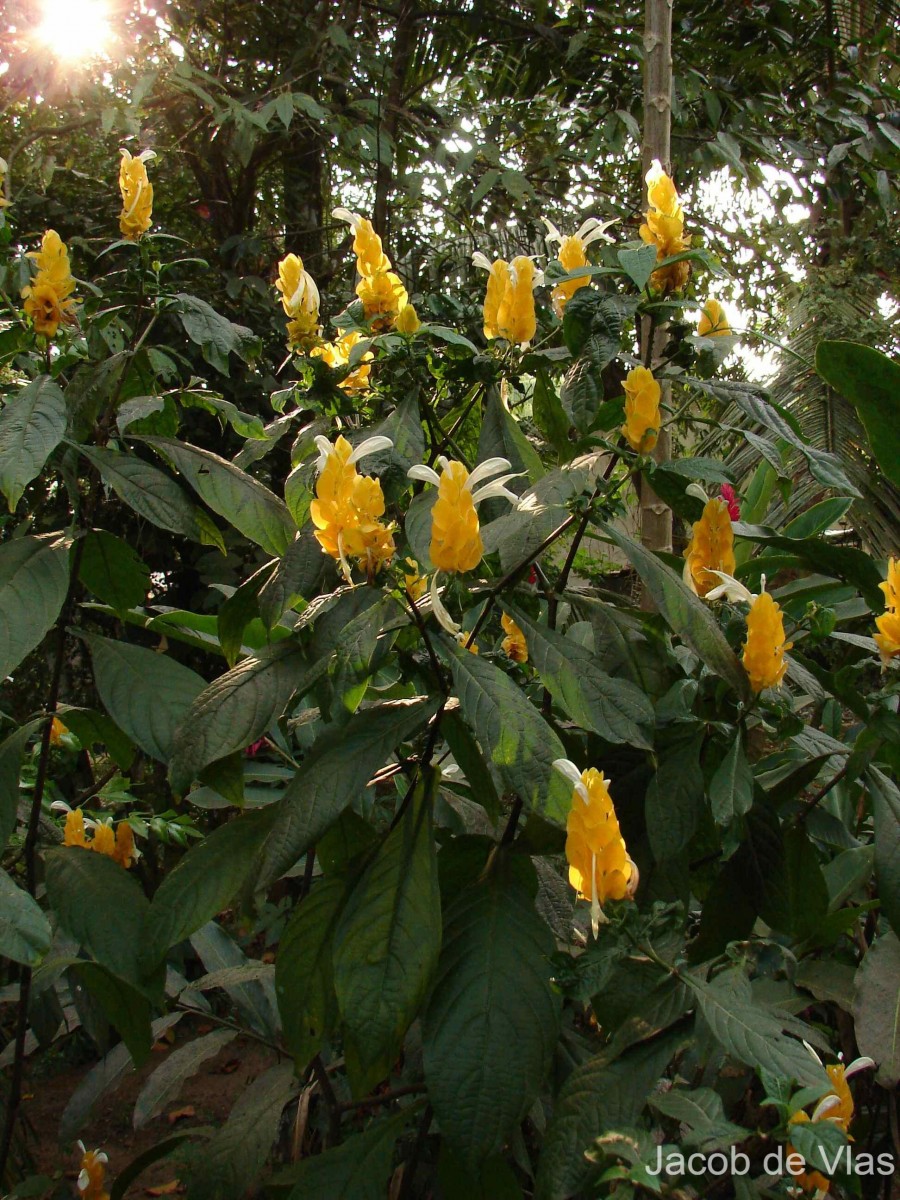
x,y
553,234
146,155
573,775
859,1064
371,445
126,154
538,280
696,490
481,260
101,1156
83,1181
437,605
497,488
812,1052
426,474
825,1106
599,233
484,470
344,214
81,1146
60,806
655,171
730,587
325,449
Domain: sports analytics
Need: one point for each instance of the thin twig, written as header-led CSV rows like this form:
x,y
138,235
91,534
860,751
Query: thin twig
x,y
407,1089
810,804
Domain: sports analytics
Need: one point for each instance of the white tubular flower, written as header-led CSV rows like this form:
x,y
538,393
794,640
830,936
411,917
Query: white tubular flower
x,y
592,230
863,1063
371,445
732,589
570,772
442,617
484,470
354,220
481,260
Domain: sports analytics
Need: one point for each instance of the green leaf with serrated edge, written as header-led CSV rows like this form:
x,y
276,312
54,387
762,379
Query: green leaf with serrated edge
x,y
358,1169
34,579
24,930
126,1008
94,728
876,1007
387,941
103,1078
216,336
165,1084
871,382
683,612
613,708
509,728
11,751
32,424
417,528
238,610
827,980
237,708
501,437
101,906
304,981
150,492
581,393
162,1149
601,1095
549,414
204,882
335,771
146,694
886,811
296,577
112,570
243,501
731,787
841,562
492,992
674,799
807,892
753,1035
470,761
818,1142
233,1158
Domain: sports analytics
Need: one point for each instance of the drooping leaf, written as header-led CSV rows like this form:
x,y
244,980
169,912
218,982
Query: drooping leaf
x,y
24,930
702,1112
243,501
358,1169
731,787
32,424
387,942
238,610
34,579
886,810
638,265
11,751
146,694
876,1007
295,577
253,996
870,381
493,1017
675,798
126,1008
94,728
216,336
112,570
166,1082
161,1149
150,492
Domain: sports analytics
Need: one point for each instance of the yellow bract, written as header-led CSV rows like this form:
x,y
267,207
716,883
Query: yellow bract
x,y
137,195
509,298
337,354
57,731
664,228
299,299
713,321
380,289
347,509
415,583
117,844
836,1107
572,255
642,394
514,643
599,866
407,320
48,298
383,296
887,639
456,543
765,647
91,1184
710,549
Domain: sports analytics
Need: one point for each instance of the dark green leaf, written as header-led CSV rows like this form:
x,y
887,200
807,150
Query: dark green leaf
x,y
216,336
150,492
638,265
165,1084
876,1007
295,578
34,579
162,1149
32,425
731,787
123,1006
11,751
674,798
871,382
113,571
24,930
886,810
359,1169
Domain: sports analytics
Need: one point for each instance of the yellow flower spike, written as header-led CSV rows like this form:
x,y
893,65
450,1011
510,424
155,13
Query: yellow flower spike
x,y
383,295
887,639
498,279
407,320
710,550
664,228
599,866
91,1182
74,834
415,583
836,1107
713,321
137,194
48,298
642,420
124,852
661,192
348,505
515,317
572,255
337,354
57,732
514,644
765,647
299,294
370,256
104,840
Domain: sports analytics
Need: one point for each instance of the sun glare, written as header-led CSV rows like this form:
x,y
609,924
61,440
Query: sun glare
x,y
74,29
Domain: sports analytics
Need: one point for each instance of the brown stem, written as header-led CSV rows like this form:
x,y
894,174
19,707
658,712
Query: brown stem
x,y
810,804
409,1169
334,1109
408,1089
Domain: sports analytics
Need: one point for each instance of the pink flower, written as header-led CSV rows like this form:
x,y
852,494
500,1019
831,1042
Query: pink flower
x,y
254,748
734,508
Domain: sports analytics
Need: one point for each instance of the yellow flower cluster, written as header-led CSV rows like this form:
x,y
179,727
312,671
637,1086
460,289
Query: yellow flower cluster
x,y
765,647
664,228
384,298
299,299
599,866
572,255
514,643
887,638
91,1183
337,354
348,507
456,543
642,395
137,194
713,321
509,298
710,549
116,844
835,1106
48,298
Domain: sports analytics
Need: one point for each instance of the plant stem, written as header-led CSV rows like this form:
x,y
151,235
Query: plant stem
x,y
408,1089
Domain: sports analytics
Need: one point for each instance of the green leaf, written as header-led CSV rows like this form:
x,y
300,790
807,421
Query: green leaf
x,y
753,1035
11,751
242,500
216,336
600,1096
93,728
24,930
581,393
150,492
702,1112
32,424
284,107
549,414
236,709
147,694
819,1142
818,518
683,612
165,1084
304,982
333,774
876,1007
358,1169
123,1005
613,708
387,942
493,1017
34,579
112,570
235,1155
871,382
674,799
227,965
638,265
886,810
100,905
520,743
731,787
204,882
295,577
471,762
501,435
162,1149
